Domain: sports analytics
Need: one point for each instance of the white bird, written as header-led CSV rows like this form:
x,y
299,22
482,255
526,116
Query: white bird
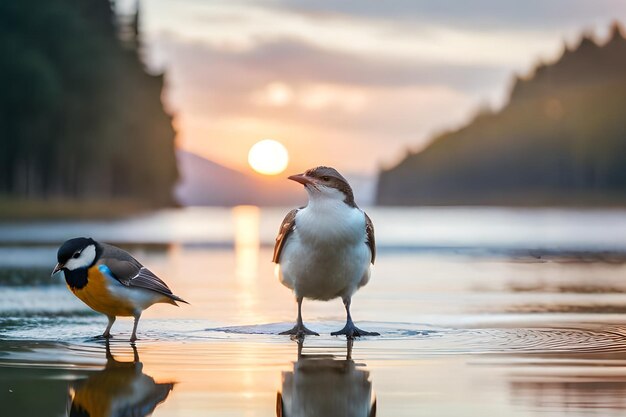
x,y
325,250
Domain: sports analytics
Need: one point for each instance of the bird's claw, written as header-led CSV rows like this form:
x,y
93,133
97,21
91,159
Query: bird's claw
x,y
299,332
351,331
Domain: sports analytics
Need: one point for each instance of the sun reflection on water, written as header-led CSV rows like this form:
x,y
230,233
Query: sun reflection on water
x,y
246,221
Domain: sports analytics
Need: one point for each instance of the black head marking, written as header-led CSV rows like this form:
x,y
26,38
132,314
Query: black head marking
x,y
332,178
77,278
72,247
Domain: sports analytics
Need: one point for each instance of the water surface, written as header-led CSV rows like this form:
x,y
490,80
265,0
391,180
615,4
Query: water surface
x,y
482,312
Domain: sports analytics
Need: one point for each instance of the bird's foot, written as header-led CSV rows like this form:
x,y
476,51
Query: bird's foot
x,y
299,331
133,338
104,336
351,331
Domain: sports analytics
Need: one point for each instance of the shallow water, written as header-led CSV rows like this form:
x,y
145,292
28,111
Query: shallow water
x,y
482,312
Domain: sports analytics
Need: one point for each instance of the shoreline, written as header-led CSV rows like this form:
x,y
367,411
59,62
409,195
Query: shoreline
x,y
64,209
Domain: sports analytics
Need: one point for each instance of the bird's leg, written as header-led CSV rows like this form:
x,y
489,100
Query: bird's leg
x,y
133,337
350,330
299,330
107,331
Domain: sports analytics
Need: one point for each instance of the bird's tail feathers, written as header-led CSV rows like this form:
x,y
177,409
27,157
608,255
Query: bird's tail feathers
x,y
175,298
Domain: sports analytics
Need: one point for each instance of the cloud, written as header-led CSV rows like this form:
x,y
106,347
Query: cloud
x,y
349,83
325,104
299,62
294,81
246,25
484,14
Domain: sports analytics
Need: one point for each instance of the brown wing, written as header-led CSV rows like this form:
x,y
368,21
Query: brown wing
x,y
130,272
371,240
286,227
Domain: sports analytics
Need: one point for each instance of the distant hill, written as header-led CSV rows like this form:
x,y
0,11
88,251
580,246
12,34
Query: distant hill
x,y
206,183
560,140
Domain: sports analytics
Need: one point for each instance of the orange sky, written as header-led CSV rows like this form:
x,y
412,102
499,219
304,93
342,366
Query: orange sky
x,y
352,84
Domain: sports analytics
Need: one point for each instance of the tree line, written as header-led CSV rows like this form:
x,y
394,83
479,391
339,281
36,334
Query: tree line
x,y
80,118
560,140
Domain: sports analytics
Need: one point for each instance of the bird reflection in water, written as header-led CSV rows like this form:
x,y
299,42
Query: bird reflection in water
x,y
325,385
120,389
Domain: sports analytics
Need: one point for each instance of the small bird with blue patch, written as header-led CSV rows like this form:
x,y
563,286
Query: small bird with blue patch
x,y
110,280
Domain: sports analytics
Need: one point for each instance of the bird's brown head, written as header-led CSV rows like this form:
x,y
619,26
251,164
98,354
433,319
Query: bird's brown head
x,y
326,182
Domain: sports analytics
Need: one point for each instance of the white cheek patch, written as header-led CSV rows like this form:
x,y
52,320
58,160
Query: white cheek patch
x,y
86,258
332,193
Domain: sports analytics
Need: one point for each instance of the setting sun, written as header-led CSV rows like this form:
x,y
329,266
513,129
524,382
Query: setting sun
x,y
268,157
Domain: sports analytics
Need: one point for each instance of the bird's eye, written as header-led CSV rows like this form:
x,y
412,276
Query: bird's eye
x,y
325,178
76,255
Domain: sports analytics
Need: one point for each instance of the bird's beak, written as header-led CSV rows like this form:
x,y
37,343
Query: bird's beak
x,y
57,268
301,178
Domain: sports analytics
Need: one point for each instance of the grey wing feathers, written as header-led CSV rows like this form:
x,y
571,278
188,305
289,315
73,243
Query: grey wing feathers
x,y
130,272
121,263
286,227
146,279
371,240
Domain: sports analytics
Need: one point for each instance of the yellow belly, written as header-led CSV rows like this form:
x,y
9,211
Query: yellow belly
x,y
97,296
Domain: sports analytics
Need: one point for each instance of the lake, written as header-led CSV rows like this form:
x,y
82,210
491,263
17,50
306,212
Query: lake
x,y
482,312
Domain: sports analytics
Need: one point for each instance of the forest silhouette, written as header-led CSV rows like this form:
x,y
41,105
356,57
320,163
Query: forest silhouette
x,y
560,140
80,118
